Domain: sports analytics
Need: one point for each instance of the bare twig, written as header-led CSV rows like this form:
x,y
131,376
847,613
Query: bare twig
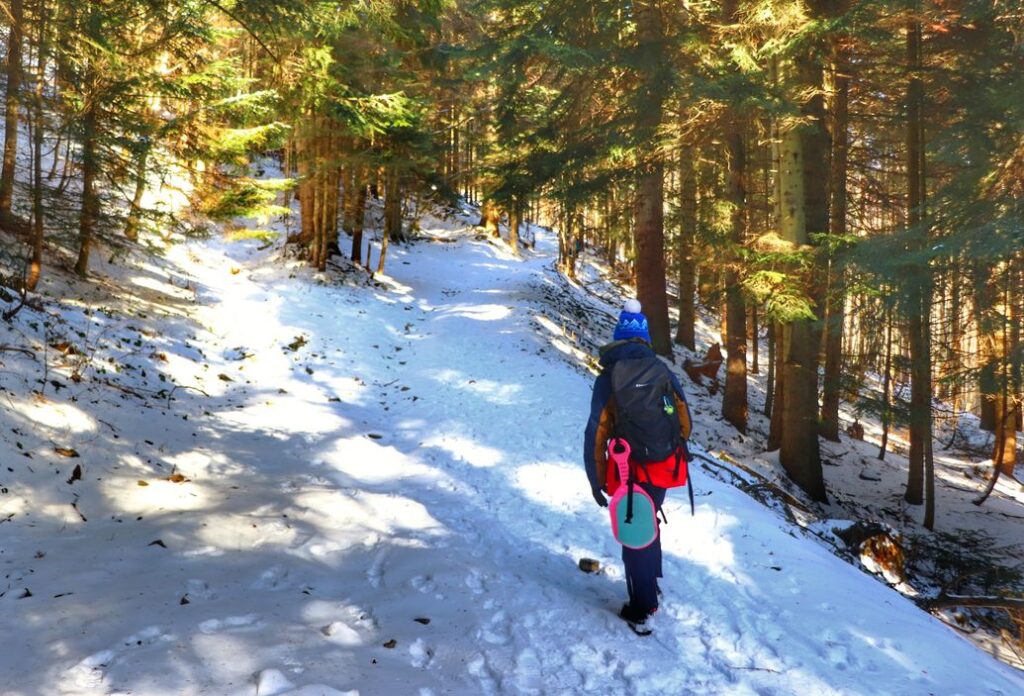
x,y
121,388
183,386
5,348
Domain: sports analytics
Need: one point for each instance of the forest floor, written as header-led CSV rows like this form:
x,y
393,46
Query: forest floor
x,y
225,474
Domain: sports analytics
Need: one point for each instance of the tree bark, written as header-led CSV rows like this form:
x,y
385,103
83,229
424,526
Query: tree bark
x,y
1001,347
131,227
489,218
514,219
769,397
755,346
836,291
886,386
392,214
920,465
734,402
801,203
778,369
89,213
686,329
649,216
12,104
358,215
38,224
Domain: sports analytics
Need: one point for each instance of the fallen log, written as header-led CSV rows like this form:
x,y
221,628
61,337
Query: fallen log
x,y
15,224
946,601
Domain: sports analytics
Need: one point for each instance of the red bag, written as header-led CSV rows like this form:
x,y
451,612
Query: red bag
x,y
663,474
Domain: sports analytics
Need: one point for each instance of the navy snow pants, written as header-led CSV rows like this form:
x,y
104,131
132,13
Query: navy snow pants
x,y
643,566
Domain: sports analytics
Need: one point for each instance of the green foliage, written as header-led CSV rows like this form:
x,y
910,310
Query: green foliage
x,y
234,144
781,294
244,198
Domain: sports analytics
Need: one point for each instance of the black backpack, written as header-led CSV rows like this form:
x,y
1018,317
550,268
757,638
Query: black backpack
x,y
645,408
646,417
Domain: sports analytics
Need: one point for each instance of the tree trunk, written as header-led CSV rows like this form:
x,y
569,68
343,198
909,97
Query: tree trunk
x,y
836,291
514,218
1006,403
755,367
686,329
489,218
920,463
131,227
358,216
734,402
886,386
89,213
392,214
769,396
986,359
800,207
305,189
38,224
649,216
12,104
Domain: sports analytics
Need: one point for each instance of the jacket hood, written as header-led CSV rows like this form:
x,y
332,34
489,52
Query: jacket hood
x,y
624,350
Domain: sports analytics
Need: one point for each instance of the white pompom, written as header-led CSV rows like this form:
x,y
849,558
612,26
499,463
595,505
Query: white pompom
x,y
632,306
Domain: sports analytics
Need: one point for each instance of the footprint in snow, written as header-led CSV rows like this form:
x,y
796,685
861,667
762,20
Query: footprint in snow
x,y
323,549
199,589
273,578
497,631
89,673
231,623
479,669
528,676
838,656
341,633
423,583
834,649
271,682
375,573
421,654
475,582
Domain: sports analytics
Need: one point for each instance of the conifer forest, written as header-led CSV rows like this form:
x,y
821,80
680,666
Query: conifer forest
x,y
302,305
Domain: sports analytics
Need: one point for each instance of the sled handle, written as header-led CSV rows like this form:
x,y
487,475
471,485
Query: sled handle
x,y
618,452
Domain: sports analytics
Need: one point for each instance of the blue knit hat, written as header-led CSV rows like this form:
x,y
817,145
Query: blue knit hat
x,y
632,323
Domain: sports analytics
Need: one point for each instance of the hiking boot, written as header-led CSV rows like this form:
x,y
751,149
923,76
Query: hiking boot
x,y
636,618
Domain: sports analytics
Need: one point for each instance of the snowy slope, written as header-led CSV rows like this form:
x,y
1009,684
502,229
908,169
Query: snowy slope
x,y
395,461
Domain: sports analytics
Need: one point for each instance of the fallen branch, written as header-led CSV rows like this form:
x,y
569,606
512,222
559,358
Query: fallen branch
x,y
961,601
11,313
184,386
4,348
787,497
993,512
121,388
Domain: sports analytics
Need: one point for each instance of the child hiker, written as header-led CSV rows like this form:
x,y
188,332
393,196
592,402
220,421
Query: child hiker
x,y
638,399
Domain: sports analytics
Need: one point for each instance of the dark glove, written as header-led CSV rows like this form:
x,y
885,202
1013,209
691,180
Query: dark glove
x,y
599,497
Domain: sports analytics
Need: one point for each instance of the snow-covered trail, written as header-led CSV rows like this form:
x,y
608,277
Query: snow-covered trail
x,y
409,471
